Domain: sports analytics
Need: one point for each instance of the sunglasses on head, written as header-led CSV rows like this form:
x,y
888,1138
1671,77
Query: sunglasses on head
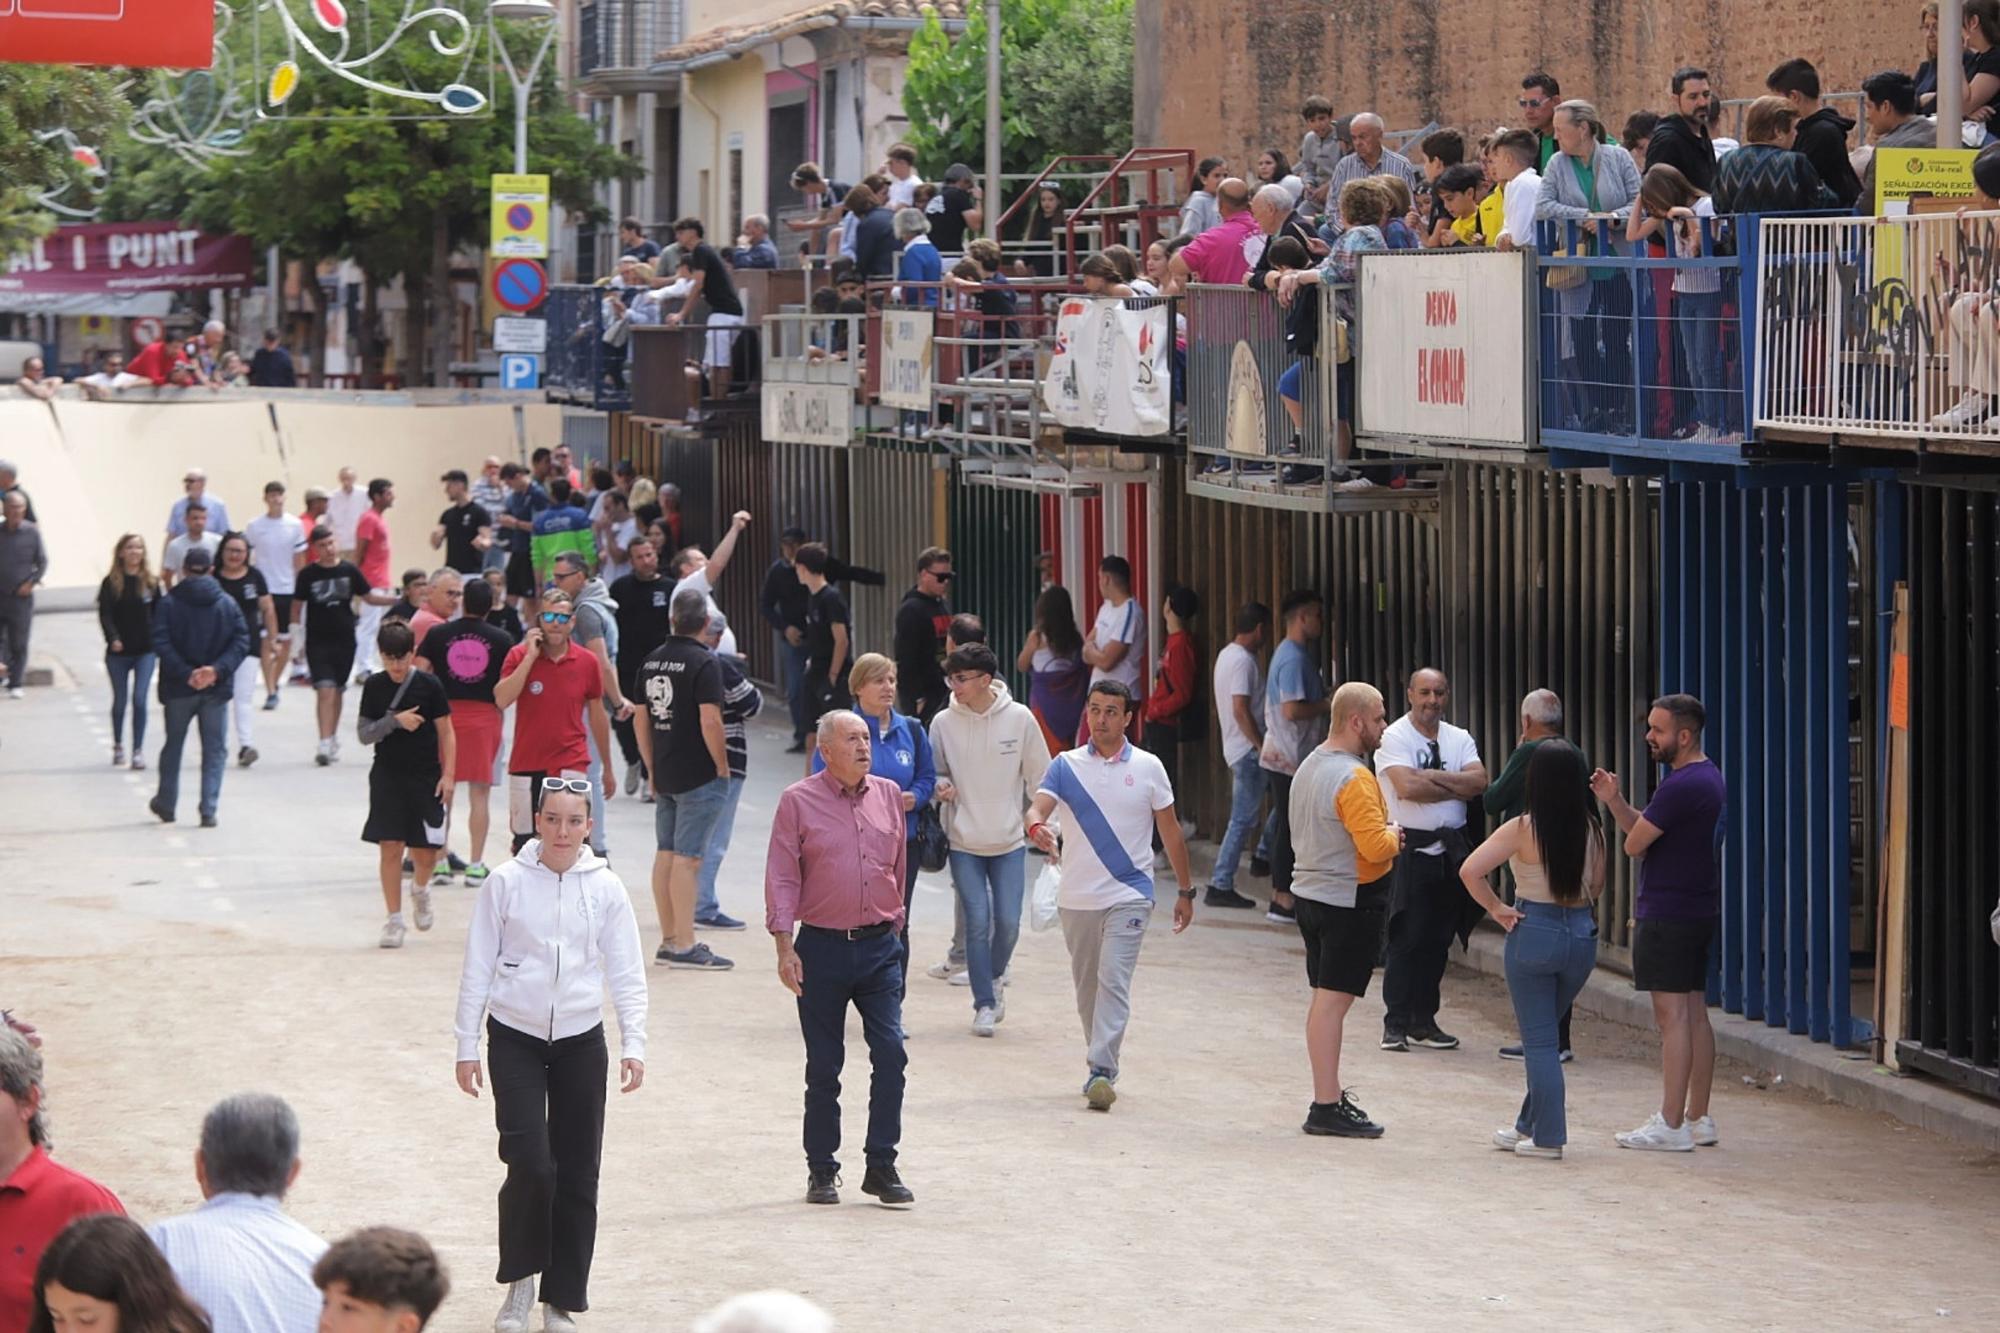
x,y
578,785
555,617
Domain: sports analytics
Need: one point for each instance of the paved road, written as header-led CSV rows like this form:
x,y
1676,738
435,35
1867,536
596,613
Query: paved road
x,y
172,966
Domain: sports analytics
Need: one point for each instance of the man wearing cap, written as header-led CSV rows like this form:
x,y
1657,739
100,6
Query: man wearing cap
x,y
196,484
464,529
200,637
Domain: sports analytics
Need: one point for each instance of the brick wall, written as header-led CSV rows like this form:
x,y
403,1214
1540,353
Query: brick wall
x,y
1227,76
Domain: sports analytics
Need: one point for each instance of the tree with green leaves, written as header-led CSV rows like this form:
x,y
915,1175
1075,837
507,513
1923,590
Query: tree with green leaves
x,y
1066,84
35,102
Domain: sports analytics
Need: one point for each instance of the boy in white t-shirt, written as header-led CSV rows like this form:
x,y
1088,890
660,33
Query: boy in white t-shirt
x,y
1239,708
1116,646
1515,154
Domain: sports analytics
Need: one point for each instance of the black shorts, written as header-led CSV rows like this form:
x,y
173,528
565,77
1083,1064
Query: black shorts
x,y
520,574
330,663
1344,944
282,603
1671,955
404,807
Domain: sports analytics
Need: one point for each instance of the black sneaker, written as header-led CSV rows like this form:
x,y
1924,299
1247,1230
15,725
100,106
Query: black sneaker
x,y
1342,1119
1299,474
796,747
1395,1041
1225,898
456,863
1437,1039
1281,916
166,816
1513,1053
887,1186
1260,866
208,821
822,1186
698,959
719,921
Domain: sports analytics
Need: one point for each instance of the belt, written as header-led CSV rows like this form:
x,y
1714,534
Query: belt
x,y
858,933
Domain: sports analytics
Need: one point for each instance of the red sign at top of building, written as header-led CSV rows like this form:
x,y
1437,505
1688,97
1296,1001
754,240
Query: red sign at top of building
x,y
178,34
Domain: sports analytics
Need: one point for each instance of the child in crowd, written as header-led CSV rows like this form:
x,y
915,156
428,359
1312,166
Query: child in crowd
x,y
380,1280
1514,155
1459,189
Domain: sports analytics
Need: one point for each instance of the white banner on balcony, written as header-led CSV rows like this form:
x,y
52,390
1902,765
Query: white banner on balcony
x,y
1110,371
1441,353
807,413
906,360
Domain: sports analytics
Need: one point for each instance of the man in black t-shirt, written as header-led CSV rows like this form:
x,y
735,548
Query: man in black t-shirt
x,y
954,210
686,752
465,655
644,621
829,649
725,312
404,714
465,530
921,623
323,598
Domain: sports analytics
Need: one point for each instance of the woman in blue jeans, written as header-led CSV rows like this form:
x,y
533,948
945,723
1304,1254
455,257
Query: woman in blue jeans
x,y
1556,849
125,614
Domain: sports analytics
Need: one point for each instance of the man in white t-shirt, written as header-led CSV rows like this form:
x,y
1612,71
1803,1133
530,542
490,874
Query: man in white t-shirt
x,y
197,534
701,573
344,507
1429,770
277,547
1239,706
903,177
1116,647
1113,797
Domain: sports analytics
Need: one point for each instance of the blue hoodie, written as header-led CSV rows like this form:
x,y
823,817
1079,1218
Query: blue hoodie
x,y
903,755
196,626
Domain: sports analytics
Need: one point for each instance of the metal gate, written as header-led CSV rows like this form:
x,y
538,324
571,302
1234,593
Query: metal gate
x,y
894,516
1954,967
995,535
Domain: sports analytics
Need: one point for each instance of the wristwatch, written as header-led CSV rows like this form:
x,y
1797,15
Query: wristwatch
x,y
1188,893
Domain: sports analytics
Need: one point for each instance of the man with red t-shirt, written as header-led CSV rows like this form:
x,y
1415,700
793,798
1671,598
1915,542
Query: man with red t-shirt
x,y
153,363
371,554
38,1197
555,685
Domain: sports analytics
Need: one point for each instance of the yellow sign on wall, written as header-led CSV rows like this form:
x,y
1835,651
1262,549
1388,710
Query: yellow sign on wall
x,y
1903,174
520,217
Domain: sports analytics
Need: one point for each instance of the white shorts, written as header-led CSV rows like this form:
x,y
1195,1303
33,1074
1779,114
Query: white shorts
x,y
721,340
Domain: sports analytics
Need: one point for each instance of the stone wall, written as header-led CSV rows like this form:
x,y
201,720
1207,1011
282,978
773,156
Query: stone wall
x,y
1227,76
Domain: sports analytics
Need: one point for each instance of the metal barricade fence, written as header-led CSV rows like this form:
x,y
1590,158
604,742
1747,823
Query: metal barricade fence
x,y
582,368
1882,326
1241,371
813,372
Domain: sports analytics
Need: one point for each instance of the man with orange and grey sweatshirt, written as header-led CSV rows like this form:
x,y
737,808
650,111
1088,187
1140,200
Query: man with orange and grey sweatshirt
x,y
1344,845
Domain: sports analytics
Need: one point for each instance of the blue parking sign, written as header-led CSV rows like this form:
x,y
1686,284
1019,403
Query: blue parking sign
x,y
520,370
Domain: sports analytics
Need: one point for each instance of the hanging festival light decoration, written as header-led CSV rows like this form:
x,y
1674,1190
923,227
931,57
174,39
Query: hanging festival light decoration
x,y
358,42
79,193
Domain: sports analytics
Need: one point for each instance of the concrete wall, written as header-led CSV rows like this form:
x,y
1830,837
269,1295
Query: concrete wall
x,y
97,470
719,103
1227,76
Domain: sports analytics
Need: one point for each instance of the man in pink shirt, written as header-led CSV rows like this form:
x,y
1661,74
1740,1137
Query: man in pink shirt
x,y
1225,253
835,870
444,597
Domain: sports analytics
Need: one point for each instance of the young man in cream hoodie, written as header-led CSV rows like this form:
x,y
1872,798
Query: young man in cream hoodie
x,y
990,756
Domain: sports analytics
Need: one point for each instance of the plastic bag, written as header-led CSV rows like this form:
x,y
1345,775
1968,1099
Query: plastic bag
x,y
1042,903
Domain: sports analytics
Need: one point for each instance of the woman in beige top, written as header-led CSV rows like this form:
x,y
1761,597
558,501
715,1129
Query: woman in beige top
x,y
1556,848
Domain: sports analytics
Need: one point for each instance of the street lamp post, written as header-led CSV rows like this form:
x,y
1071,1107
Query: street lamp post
x,y
994,201
522,80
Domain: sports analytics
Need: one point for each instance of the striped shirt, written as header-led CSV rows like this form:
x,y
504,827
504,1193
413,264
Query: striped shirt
x,y
1107,810
246,1262
741,701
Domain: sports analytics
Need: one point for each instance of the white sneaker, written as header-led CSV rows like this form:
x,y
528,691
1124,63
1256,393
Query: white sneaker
x,y
946,970
557,1320
1703,1129
960,978
16,692
1972,409
1506,1137
1354,483
1656,1135
999,1005
983,1021
631,785
1529,1148
422,894
392,933
514,1310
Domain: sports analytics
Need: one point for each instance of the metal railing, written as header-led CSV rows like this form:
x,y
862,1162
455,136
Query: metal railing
x,y
1882,326
813,374
683,373
624,34
1241,370
581,367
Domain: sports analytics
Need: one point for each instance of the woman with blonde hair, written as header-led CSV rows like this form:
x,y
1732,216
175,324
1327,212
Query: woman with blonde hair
x,y
125,613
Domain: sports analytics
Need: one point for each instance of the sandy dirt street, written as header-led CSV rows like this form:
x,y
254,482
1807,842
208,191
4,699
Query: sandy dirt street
x,y
170,966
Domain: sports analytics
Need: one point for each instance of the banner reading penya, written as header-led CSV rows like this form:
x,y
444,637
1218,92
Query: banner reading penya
x,y
1110,370
123,257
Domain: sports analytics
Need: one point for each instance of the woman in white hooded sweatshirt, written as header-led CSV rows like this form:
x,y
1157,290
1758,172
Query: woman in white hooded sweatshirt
x,y
989,753
552,932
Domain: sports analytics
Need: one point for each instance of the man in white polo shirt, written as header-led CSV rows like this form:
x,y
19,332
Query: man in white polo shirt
x,y
1116,648
1429,770
1113,797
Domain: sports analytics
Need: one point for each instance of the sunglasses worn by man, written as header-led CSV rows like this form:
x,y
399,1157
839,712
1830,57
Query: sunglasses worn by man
x,y
556,617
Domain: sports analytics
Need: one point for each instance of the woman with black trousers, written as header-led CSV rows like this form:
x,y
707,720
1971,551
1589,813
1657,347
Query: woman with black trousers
x,y
125,614
551,932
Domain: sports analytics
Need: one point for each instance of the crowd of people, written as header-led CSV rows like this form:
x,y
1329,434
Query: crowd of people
x,y
203,361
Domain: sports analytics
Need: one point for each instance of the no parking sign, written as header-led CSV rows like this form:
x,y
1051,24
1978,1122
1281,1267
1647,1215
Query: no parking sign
x,y
520,217
520,284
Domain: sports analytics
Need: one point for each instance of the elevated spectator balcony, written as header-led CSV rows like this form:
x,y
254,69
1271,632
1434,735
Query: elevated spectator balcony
x,y
582,368
813,379
617,40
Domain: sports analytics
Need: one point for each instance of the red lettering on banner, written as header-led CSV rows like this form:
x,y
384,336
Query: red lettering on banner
x,y
1440,309
1441,376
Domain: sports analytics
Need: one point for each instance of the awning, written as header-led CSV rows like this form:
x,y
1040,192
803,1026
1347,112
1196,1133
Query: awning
x,y
128,258
133,306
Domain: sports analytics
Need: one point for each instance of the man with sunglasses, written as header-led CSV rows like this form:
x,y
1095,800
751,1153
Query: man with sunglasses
x,y
556,686
921,624
1429,769
1539,94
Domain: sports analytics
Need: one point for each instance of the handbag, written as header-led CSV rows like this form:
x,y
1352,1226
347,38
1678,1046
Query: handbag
x,y
933,847
1568,276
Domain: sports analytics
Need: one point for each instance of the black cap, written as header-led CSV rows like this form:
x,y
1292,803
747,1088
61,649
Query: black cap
x,y
197,561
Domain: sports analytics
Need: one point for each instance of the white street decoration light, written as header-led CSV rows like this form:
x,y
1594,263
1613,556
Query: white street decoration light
x,y
523,81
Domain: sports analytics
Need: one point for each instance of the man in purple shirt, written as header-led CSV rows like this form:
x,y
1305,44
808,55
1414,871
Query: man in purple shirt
x,y
1679,836
835,870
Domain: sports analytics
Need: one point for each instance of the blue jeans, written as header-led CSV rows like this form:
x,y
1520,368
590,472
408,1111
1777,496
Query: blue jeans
x,y
866,973
792,663
211,711
1549,956
1246,797
682,824
705,905
1698,316
131,675
991,888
